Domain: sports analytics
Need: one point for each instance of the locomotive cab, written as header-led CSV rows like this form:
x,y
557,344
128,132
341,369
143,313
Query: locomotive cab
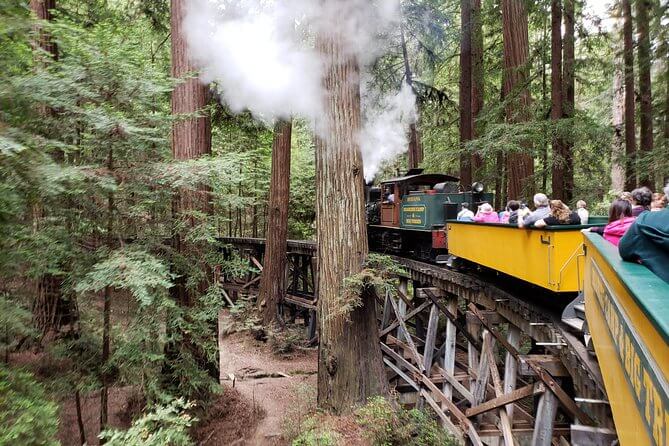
x,y
409,215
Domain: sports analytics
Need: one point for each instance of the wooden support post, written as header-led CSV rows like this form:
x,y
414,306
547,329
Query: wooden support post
x,y
543,425
511,367
473,328
402,306
430,339
482,373
387,311
499,391
449,346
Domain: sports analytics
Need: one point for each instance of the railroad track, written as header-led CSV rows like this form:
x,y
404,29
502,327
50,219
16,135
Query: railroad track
x,y
438,290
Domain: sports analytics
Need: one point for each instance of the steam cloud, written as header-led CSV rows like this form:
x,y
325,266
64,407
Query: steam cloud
x,y
258,53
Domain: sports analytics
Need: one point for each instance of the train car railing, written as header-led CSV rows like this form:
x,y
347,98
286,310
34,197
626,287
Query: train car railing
x,y
627,310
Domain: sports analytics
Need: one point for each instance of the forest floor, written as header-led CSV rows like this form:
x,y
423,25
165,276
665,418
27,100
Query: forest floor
x,y
280,387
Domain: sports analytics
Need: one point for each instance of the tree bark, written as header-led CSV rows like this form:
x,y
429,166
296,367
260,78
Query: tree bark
x,y
106,312
273,282
558,166
43,10
350,368
520,165
466,124
645,169
415,147
568,96
80,419
190,139
618,121
630,128
477,83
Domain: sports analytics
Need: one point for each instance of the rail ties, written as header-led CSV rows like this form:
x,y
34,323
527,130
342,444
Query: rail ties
x,y
489,364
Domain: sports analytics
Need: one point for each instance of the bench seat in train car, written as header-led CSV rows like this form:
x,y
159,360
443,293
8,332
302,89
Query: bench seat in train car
x,y
627,309
550,257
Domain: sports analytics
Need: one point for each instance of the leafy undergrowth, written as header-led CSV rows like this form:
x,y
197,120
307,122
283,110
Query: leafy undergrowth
x,y
378,423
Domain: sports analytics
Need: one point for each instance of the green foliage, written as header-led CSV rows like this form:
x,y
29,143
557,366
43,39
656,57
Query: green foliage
x,y
385,425
380,275
316,437
27,417
15,322
166,425
126,269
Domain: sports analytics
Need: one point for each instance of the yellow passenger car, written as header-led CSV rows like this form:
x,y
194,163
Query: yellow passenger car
x,y
627,309
550,257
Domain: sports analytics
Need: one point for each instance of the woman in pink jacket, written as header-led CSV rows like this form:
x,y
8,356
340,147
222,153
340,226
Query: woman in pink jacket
x,y
620,219
486,214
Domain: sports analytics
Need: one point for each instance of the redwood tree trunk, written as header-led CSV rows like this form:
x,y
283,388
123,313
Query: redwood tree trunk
x,y
618,149
558,166
350,368
272,284
415,147
520,165
43,10
477,82
645,170
630,132
191,139
568,96
466,125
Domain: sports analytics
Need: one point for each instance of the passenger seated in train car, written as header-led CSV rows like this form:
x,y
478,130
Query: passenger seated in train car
x,y
659,202
511,214
647,241
582,211
541,210
620,220
560,214
465,214
641,198
486,214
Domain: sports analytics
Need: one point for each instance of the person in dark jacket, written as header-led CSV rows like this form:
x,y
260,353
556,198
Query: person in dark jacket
x,y
647,241
641,199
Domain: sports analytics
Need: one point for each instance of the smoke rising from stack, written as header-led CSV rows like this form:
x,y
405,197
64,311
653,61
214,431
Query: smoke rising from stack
x,y
260,55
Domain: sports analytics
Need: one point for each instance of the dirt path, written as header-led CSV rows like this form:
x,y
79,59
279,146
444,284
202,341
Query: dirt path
x,y
265,379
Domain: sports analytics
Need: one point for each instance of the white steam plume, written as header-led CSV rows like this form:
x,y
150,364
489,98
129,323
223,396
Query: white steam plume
x,y
258,52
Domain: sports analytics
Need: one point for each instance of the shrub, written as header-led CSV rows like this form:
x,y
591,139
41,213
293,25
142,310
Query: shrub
x,y
27,417
164,426
385,425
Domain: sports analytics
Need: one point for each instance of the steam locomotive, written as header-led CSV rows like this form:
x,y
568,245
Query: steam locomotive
x,y
406,215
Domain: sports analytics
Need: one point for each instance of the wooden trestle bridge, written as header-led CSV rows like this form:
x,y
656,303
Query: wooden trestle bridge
x,y
492,366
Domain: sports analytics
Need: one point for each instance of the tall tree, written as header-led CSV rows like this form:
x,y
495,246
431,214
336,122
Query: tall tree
x,y
466,121
273,282
190,139
630,130
558,167
415,146
477,81
645,170
516,92
568,95
43,10
618,113
349,358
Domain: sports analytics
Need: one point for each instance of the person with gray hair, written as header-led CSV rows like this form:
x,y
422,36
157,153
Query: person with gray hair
x,y
641,199
647,241
541,211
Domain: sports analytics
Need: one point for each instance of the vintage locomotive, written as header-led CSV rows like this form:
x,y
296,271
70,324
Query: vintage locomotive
x,y
407,215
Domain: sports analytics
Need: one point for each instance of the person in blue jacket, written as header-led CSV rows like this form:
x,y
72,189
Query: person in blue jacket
x,y
647,241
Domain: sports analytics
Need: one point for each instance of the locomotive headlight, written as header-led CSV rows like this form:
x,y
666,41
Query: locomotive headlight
x,y
478,187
